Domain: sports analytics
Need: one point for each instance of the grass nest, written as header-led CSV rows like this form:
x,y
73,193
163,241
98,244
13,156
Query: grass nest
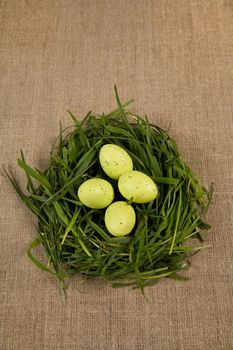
x,y
75,237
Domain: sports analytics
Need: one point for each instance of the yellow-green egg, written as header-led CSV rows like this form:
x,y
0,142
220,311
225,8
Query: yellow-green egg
x,y
120,218
114,160
138,186
96,193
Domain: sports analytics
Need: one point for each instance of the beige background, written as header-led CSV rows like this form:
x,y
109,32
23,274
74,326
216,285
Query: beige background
x,y
175,58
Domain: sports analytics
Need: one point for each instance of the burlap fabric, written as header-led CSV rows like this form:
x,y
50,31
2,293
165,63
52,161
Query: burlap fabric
x,y
175,58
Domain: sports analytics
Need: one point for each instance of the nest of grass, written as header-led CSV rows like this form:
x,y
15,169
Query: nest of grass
x,y
75,237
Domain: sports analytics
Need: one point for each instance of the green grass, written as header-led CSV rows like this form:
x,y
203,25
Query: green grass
x,y
75,238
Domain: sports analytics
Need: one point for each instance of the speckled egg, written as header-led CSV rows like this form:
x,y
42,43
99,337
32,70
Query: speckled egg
x,y
138,186
120,218
114,160
96,193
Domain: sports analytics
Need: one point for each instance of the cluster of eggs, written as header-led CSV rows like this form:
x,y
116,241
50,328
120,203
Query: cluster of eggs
x,y
135,186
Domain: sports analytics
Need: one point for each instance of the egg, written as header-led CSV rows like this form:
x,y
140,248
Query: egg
x,y
96,193
120,218
114,160
138,186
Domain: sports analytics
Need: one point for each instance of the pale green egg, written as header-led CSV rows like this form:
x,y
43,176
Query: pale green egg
x,y
120,218
114,160
138,186
96,193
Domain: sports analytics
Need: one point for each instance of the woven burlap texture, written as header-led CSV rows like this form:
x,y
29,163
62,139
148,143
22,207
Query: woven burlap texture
x,y
174,57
